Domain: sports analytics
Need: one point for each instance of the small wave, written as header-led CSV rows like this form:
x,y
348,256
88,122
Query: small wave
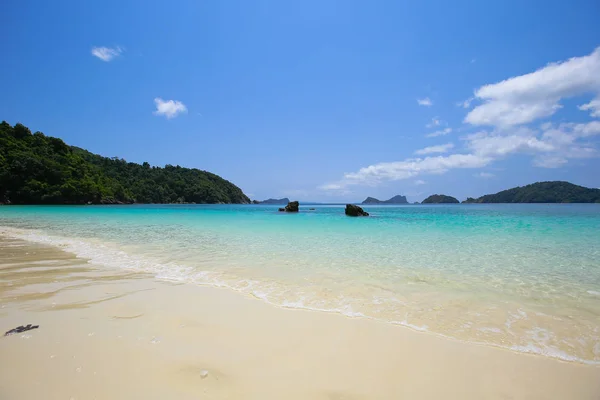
x,y
111,255
423,328
551,352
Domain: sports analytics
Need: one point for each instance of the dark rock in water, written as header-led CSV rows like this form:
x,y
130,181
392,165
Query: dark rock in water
x,y
311,209
282,209
293,206
355,211
20,329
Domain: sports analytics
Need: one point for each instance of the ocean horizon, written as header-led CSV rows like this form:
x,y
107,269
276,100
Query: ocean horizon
x,y
525,277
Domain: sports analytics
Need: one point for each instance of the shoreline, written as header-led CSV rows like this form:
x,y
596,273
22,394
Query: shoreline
x,y
115,334
66,244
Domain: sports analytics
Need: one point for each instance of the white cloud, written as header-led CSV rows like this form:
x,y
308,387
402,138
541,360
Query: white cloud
x,y
169,108
420,182
485,175
440,132
107,53
494,145
332,186
466,103
550,147
508,107
442,148
525,98
591,128
593,107
393,171
425,102
436,121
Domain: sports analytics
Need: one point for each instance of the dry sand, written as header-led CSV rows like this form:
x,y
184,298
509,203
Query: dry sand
x,y
107,334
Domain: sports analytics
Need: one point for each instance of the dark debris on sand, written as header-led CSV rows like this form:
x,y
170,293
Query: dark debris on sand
x,y
20,329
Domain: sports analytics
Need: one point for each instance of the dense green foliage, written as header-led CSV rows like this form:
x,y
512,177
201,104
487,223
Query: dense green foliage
x,y
542,192
440,199
39,169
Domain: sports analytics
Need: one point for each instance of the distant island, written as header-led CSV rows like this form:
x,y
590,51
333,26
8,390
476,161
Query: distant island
x,y
285,200
542,192
394,200
440,199
40,169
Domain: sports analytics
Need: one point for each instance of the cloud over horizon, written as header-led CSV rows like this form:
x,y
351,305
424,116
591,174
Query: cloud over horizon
x,y
505,115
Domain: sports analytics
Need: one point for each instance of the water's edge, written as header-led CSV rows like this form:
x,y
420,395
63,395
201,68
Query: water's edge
x,y
92,252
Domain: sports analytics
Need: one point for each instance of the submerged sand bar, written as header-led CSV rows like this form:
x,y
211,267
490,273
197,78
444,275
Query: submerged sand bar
x,y
111,334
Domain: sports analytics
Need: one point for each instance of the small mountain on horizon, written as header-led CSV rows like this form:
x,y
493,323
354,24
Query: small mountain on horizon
x,y
285,200
542,192
398,199
440,199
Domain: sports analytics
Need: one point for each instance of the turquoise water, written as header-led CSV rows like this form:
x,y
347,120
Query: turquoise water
x,y
524,277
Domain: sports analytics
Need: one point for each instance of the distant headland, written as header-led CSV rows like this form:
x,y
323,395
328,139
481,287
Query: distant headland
x,y
285,200
539,192
542,192
40,169
398,199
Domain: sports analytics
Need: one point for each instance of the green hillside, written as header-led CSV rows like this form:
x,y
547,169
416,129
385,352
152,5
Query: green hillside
x,y
542,192
440,199
39,169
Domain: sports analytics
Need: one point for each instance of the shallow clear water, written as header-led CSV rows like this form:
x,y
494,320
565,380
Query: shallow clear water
x,y
525,277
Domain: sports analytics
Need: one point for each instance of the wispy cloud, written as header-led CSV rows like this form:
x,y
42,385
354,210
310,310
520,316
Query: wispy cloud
x,y
435,122
419,182
465,103
425,102
169,108
442,148
510,108
440,132
107,53
593,107
485,175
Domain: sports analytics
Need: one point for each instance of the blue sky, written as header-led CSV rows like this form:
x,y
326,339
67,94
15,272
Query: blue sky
x,y
317,100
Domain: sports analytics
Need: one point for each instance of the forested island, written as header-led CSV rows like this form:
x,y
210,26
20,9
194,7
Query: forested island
x,y
398,199
440,199
40,169
285,200
542,192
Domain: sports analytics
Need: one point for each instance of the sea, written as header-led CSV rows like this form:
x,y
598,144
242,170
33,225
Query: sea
x,y
524,277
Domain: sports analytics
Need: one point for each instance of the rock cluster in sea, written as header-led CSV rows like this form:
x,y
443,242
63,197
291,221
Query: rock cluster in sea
x,y
292,206
355,211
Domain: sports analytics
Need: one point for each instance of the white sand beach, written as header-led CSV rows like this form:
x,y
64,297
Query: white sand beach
x,y
111,334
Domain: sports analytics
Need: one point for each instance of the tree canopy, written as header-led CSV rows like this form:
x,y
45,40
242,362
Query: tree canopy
x,y
39,169
440,199
542,192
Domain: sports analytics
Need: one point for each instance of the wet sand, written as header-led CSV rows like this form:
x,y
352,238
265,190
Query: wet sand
x,y
112,334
